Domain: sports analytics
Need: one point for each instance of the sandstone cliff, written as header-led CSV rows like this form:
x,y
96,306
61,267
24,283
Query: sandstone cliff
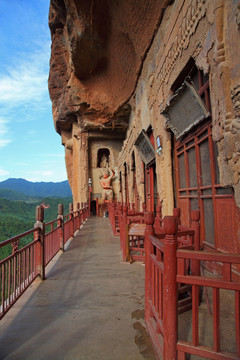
x,y
98,48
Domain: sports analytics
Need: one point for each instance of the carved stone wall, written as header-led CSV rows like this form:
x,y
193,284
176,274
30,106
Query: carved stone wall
x,y
115,63
208,32
77,164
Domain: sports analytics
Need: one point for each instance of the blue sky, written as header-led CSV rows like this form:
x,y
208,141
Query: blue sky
x,y
29,146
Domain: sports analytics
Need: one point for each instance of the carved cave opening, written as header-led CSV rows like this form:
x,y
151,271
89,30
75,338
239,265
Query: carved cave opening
x,y
103,158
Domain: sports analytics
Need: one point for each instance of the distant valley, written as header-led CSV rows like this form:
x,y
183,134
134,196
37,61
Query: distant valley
x,y
18,201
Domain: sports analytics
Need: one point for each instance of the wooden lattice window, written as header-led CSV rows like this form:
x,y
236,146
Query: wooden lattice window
x,y
197,173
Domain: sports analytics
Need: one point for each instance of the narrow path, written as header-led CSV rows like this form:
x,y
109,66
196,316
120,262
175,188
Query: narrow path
x,y
91,306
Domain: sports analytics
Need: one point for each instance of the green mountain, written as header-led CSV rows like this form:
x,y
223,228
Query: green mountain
x,y
18,216
39,189
15,195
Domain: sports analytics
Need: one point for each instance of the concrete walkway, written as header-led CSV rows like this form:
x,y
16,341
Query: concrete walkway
x,y
90,307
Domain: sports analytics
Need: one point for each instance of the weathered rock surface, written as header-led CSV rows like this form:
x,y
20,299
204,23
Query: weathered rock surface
x,y
98,48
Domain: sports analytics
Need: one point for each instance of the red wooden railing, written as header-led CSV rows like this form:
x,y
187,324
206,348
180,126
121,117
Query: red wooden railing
x,y
114,213
21,268
228,281
131,235
18,270
167,271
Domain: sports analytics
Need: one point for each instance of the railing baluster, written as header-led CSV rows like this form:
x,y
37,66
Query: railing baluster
x,y
216,319
3,287
170,288
195,302
237,319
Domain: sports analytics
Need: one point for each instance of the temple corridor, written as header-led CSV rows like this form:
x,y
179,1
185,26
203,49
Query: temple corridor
x,y
91,306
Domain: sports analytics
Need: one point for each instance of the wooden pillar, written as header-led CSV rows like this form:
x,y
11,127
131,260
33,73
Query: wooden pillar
x,y
71,218
170,288
149,230
40,236
112,206
158,218
78,216
144,207
124,235
176,213
195,217
61,226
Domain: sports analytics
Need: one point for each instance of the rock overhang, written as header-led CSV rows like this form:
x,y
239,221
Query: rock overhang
x,y
98,49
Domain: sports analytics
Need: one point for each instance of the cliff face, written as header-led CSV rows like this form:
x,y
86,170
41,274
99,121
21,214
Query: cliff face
x,y
98,48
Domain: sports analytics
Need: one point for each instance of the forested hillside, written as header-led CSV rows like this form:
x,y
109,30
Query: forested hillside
x,y
17,217
15,195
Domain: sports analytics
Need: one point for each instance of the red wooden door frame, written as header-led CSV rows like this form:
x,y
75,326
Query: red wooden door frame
x,y
210,196
149,187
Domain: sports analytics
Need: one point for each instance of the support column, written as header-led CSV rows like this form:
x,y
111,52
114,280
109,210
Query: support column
x,y
80,166
170,288
40,236
61,226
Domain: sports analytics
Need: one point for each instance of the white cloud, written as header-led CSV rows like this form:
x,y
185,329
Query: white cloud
x,y
3,173
58,173
34,176
4,129
27,82
23,88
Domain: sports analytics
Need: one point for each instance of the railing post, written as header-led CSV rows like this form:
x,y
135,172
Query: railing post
x,y
83,216
83,211
113,220
124,229
159,211
144,207
176,213
133,208
15,246
86,205
149,230
158,218
170,288
78,216
40,235
61,226
71,218
195,217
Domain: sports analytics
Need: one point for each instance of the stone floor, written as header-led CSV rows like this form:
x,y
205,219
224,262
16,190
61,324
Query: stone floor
x,y
90,307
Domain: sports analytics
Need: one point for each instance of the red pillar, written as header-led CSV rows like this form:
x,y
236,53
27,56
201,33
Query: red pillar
x,y
170,288
124,233
61,226
158,218
113,219
195,217
71,218
149,230
78,216
40,235
144,207
176,213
